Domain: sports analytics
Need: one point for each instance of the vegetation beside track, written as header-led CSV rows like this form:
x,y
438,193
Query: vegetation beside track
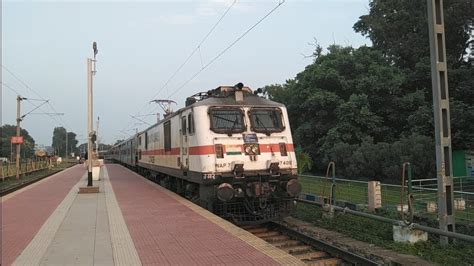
x,y
380,234
11,182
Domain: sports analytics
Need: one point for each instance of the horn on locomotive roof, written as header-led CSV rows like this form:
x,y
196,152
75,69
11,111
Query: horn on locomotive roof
x,y
239,86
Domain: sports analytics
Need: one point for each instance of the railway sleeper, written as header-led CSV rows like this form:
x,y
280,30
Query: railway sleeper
x,y
312,255
298,249
325,262
257,230
278,238
267,234
286,243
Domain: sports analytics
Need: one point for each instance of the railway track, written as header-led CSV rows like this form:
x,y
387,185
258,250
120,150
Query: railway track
x,y
308,249
17,186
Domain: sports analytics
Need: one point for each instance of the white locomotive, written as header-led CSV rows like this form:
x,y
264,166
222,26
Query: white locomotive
x,y
228,150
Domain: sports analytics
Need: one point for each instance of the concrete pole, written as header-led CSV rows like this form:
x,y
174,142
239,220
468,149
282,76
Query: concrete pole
x,y
89,122
18,120
66,144
97,138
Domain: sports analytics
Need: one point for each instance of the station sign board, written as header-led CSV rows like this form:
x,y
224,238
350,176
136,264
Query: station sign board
x,y
17,140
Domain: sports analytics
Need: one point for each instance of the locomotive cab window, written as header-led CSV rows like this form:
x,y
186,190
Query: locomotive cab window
x,y
226,120
266,120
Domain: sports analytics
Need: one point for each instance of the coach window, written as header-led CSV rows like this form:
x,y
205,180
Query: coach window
x,y
167,130
183,125
190,124
140,141
146,140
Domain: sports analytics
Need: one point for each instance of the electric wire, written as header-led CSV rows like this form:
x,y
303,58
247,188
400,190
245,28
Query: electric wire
x,y
64,124
32,103
198,47
227,48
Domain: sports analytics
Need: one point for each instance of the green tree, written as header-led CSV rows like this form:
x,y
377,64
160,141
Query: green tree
x,y
59,141
399,29
72,143
27,148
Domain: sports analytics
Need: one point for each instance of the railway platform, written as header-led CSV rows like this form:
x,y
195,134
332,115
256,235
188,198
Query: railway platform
x,y
131,221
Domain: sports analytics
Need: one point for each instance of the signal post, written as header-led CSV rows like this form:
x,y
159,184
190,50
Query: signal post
x,y
90,130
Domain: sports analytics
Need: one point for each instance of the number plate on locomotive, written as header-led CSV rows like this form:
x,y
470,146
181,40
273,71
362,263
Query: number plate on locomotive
x,y
250,138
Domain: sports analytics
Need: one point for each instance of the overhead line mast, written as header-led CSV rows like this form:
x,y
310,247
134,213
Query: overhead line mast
x,y
439,80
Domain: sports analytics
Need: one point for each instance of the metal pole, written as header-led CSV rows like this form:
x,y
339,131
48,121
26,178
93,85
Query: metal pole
x,y
66,143
439,80
18,120
89,122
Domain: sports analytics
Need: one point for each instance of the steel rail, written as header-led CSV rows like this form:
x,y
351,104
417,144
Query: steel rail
x,y
332,250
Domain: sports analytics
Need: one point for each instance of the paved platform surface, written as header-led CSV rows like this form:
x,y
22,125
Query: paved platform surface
x,y
26,210
132,221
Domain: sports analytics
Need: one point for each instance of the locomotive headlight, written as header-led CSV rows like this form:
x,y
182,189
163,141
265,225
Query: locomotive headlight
x,y
255,149
248,150
252,149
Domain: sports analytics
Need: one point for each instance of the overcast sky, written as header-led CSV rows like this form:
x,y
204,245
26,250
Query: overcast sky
x,y
45,44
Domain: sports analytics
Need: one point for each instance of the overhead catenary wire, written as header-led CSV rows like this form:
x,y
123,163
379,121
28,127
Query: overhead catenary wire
x,y
31,102
198,47
227,48
23,116
37,94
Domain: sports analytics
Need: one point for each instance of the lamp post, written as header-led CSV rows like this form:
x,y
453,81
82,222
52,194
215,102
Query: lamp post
x,y
90,73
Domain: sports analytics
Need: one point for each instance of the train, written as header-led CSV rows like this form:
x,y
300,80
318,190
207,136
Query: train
x,y
230,150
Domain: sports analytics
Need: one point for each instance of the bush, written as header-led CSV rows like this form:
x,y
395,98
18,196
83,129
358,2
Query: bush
x,y
305,163
383,161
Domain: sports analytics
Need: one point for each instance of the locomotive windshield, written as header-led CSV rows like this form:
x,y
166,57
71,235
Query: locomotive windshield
x,y
266,120
226,120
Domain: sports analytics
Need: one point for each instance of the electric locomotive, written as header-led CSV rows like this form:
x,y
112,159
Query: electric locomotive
x,y
228,150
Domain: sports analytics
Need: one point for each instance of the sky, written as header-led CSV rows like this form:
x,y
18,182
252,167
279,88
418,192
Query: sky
x,y
45,46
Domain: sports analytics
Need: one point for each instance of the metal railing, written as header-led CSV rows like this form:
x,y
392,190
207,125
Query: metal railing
x,y
8,170
354,193
425,192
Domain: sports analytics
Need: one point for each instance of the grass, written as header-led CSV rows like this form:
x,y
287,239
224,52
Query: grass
x,y
348,191
380,234
357,193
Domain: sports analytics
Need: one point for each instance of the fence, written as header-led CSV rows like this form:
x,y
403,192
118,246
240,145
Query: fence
x,y
28,166
426,198
354,194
